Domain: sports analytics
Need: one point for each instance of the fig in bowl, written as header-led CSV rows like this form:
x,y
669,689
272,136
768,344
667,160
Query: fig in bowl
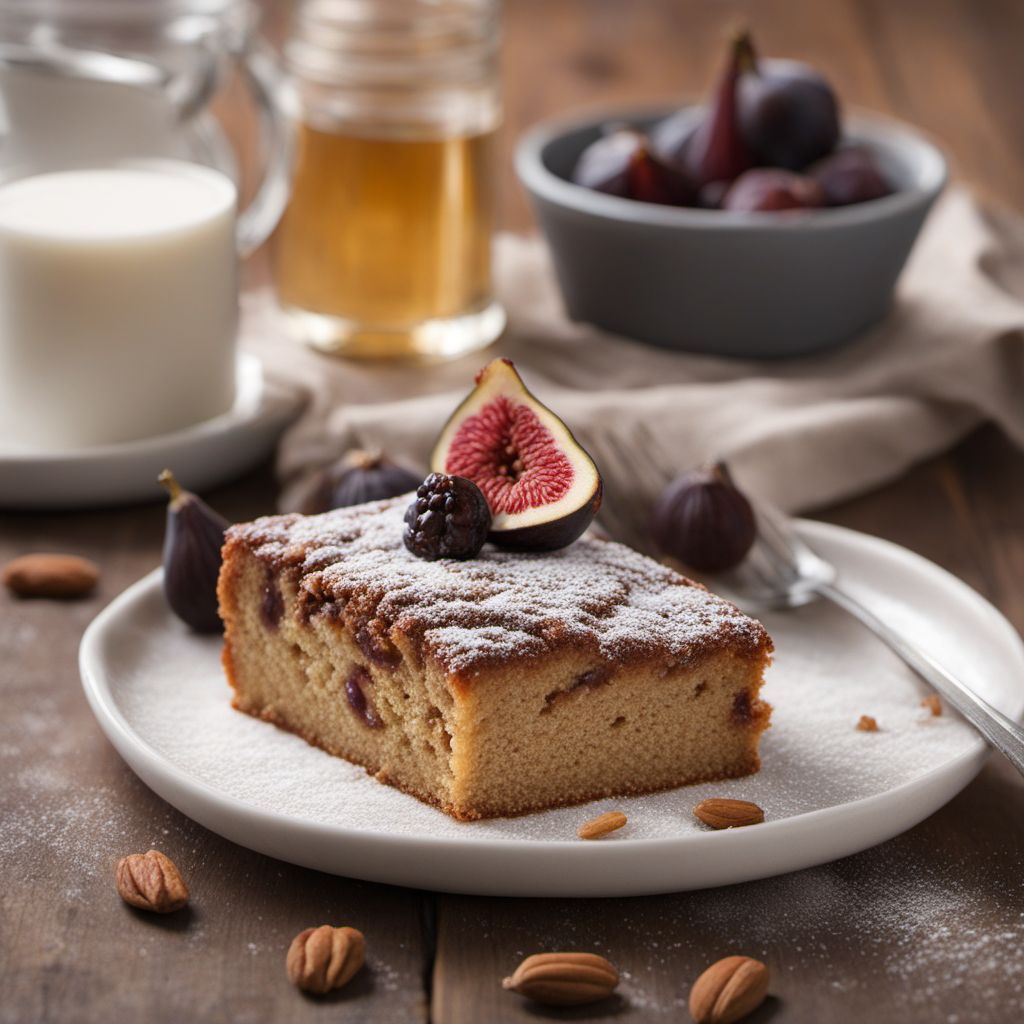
x,y
768,188
750,284
789,113
763,120
850,175
711,149
621,163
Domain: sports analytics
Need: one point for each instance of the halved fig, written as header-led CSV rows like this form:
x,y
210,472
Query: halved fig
x,y
543,488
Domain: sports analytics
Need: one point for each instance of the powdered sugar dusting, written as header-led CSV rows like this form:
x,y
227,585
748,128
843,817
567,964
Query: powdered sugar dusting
x,y
922,930
502,605
827,673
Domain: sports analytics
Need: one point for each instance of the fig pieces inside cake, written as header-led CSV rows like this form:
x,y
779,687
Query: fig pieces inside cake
x,y
508,683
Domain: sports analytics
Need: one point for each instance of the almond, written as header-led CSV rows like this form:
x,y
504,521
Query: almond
x,y
325,958
564,979
150,881
867,723
600,826
728,990
50,575
721,813
934,704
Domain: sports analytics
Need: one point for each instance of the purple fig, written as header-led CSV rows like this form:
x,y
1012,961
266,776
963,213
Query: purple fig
x,y
767,188
621,163
788,113
651,180
604,165
704,520
358,477
850,176
711,149
192,543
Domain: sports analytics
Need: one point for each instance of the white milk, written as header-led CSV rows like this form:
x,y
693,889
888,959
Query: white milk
x,y
118,303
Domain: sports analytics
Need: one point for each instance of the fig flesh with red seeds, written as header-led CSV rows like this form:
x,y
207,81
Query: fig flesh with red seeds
x,y
543,489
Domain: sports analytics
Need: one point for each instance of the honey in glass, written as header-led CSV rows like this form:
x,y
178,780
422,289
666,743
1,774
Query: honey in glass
x,y
385,248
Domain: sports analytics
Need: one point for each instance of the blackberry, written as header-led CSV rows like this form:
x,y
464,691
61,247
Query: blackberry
x,y
450,518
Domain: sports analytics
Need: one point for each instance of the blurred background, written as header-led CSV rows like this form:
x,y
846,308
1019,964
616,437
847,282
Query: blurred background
x,y
951,67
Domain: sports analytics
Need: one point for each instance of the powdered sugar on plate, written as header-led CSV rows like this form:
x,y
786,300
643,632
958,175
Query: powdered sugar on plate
x,y
175,697
828,672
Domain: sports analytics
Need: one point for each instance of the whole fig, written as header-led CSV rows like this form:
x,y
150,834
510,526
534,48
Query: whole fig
x,y
622,163
704,520
850,176
192,542
711,149
651,180
358,477
788,113
766,188
604,165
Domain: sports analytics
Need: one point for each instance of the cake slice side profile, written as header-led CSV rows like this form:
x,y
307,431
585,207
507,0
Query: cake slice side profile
x,y
498,686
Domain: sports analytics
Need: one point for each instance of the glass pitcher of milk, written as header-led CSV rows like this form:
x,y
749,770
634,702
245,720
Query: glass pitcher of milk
x,y
89,82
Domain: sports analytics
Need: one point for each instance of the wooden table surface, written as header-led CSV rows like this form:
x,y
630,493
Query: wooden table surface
x,y
927,927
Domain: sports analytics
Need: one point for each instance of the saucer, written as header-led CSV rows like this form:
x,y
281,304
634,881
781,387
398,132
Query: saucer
x,y
201,456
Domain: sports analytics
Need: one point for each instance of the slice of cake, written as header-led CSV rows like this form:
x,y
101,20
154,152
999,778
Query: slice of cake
x,y
496,686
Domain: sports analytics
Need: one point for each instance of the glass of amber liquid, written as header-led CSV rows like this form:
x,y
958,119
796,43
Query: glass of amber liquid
x,y
385,248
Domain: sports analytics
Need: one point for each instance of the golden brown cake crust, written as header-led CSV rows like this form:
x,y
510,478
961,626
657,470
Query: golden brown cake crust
x,y
498,686
499,609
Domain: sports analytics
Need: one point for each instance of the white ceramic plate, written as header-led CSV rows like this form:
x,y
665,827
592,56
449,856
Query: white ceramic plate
x,y
828,790
201,456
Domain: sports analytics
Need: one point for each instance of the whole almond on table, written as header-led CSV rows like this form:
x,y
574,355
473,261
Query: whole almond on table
x,y
564,979
719,812
867,723
150,881
50,575
602,825
728,990
325,958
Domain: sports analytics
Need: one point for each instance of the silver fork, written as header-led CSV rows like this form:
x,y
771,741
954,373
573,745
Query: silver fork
x,y
783,571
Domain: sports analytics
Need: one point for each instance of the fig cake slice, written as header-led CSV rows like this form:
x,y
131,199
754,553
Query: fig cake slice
x,y
542,487
508,683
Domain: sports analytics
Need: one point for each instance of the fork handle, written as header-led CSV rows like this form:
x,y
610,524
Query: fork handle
x,y
1003,733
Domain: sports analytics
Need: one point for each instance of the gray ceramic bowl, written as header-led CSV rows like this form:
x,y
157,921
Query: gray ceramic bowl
x,y
756,285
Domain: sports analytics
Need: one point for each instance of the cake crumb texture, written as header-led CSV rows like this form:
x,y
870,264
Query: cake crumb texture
x,y
493,687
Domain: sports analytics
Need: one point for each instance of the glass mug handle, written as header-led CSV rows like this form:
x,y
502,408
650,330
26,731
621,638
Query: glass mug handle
x,y
264,80
269,89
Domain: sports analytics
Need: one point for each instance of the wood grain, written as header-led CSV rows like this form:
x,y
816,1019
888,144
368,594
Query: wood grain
x,y
69,807
923,928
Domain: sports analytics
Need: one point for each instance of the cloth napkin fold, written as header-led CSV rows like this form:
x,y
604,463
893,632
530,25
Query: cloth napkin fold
x,y
803,433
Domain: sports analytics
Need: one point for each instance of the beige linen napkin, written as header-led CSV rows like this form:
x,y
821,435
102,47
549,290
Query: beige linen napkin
x,y
803,432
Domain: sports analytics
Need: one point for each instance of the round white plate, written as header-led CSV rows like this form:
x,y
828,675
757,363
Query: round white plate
x,y
828,790
201,456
